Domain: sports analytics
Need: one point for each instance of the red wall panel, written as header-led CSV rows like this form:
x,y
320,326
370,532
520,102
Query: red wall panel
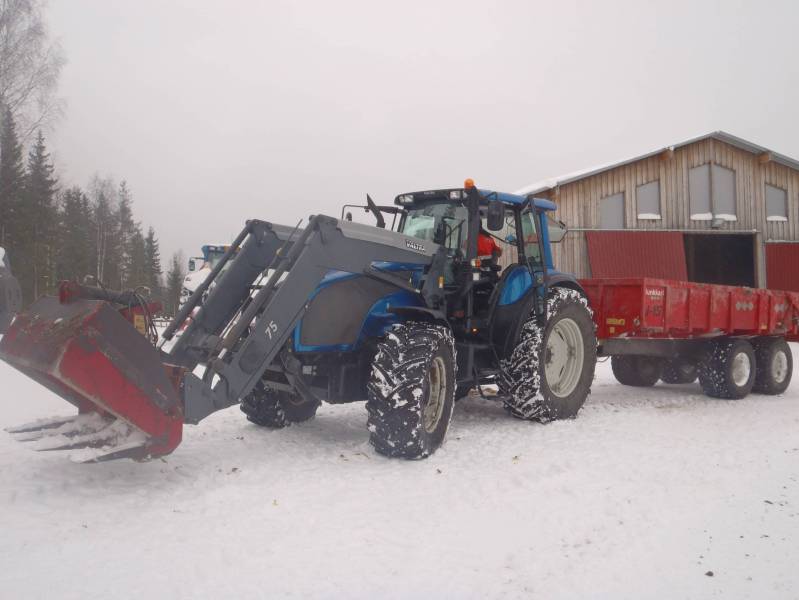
x,y
614,254
782,267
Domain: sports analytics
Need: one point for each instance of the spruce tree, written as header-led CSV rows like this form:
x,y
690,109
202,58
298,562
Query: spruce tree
x,y
12,182
74,260
174,283
38,219
152,254
137,259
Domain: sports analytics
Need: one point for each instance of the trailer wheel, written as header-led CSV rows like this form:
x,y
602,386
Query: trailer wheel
x,y
774,366
728,370
411,392
636,370
549,373
679,370
275,408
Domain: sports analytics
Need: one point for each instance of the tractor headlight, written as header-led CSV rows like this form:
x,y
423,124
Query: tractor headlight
x,y
405,199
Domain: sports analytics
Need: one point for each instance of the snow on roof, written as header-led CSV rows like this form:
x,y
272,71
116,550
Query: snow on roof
x,y
740,143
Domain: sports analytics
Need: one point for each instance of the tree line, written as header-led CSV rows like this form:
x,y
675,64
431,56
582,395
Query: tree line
x,y
88,235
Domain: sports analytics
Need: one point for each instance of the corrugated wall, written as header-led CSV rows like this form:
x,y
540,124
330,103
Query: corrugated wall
x,y
782,262
637,254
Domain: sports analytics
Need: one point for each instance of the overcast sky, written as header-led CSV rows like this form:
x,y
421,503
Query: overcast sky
x,y
216,112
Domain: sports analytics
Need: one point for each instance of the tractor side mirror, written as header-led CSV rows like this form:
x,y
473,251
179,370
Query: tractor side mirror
x,y
192,266
495,218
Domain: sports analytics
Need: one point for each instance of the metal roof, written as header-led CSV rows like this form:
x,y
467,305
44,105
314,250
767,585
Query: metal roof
x,y
548,184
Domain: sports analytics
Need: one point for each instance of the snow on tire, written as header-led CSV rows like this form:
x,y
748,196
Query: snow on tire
x,y
728,369
411,391
549,373
276,409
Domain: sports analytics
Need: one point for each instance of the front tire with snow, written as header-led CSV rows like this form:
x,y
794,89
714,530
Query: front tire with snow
x,y
549,373
276,409
412,390
728,369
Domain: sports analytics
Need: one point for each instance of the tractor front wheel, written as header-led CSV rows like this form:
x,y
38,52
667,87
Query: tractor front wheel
x,y
275,408
549,373
411,391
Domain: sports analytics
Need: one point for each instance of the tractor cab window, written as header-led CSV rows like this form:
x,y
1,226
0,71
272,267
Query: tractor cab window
x,y
442,223
530,233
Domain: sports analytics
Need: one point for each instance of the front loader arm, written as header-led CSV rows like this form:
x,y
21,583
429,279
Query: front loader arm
x,y
254,341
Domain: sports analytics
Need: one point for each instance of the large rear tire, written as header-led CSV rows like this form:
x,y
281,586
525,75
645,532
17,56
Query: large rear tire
x,y
774,366
636,370
728,370
412,390
276,409
549,373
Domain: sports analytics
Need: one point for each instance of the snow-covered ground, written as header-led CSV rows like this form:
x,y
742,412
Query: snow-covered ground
x,y
642,496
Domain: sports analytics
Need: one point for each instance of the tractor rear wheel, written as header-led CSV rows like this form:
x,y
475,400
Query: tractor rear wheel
x,y
411,391
774,366
636,370
679,370
728,370
549,373
276,408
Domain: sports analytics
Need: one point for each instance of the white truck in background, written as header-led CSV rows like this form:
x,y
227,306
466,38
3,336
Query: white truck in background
x,y
200,267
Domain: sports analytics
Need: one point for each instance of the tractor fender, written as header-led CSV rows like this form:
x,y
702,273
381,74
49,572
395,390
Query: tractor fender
x,y
419,313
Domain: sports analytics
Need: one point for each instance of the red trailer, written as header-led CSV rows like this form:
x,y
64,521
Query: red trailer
x,y
734,339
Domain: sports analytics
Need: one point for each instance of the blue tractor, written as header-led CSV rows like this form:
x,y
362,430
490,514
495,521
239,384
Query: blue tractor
x,y
407,319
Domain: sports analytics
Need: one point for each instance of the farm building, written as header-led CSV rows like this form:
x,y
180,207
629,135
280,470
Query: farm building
x,y
714,209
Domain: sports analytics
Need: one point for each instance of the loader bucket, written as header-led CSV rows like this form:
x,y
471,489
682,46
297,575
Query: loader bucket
x,y
89,354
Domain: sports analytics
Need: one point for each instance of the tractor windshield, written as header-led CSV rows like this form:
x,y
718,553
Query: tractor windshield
x,y
442,223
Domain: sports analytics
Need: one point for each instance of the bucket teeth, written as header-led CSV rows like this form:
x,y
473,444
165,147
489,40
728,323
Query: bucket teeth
x,y
94,437
40,424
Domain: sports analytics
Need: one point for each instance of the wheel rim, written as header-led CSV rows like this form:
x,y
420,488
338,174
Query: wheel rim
x,y
565,357
437,386
779,367
741,369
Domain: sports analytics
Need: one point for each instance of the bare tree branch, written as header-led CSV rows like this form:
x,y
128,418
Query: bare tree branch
x,y
30,65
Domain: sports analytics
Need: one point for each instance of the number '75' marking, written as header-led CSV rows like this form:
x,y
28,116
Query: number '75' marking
x,y
271,329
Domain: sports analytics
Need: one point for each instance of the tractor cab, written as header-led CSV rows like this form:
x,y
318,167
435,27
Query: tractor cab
x,y
499,265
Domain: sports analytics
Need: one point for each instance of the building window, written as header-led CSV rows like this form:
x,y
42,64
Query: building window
x,y
699,193
711,190
611,212
648,198
776,203
723,185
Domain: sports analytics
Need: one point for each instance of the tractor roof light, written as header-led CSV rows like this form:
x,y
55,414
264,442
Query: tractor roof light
x,y
405,199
